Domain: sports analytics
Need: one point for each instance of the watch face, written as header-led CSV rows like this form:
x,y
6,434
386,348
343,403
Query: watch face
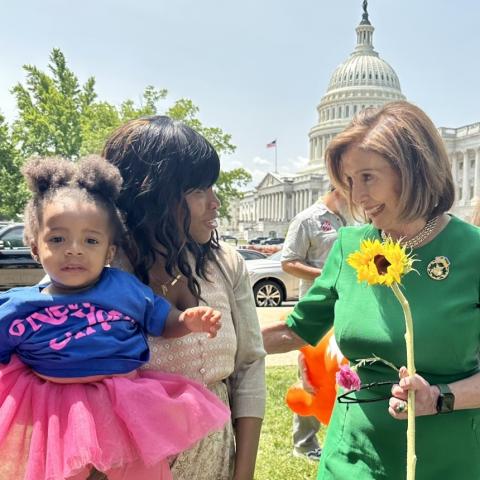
x,y
446,403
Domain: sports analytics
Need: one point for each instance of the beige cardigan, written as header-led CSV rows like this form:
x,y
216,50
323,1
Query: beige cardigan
x,y
247,383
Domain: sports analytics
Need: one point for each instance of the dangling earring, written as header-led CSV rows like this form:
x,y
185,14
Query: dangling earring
x,y
36,258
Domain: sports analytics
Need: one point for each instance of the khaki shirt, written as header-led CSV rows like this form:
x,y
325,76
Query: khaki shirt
x,y
310,237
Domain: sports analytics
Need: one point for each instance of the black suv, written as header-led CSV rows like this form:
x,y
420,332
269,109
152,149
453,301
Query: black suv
x,y
272,241
257,240
17,267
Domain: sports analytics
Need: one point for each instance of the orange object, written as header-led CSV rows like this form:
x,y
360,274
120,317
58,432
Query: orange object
x,y
321,362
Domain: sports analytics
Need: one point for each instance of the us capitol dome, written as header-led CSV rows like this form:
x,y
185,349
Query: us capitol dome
x,y
363,80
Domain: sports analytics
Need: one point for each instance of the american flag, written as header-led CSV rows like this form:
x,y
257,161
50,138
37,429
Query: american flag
x,y
272,144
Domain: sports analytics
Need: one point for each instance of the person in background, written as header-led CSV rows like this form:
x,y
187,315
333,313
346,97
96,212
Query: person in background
x,y
171,213
310,236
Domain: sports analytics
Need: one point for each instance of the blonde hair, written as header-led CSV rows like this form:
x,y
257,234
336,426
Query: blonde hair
x,y
409,141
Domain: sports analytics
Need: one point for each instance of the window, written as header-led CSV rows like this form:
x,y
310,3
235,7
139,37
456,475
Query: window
x,y
13,238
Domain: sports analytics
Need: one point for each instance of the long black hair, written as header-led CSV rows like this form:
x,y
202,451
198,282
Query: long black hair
x,y
160,161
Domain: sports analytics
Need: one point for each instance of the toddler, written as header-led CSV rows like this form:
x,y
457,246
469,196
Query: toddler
x,y
71,395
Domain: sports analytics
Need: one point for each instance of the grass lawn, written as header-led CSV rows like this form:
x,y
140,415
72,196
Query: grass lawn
x,y
275,460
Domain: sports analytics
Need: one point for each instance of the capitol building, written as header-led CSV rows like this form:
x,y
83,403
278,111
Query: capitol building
x,y
363,80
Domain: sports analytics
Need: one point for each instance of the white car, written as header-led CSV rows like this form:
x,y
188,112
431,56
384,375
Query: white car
x,y
271,285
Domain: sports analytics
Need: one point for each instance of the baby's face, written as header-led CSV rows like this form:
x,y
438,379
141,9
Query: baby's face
x,y
73,244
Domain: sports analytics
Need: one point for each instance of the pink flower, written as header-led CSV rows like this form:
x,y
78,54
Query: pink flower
x,y
347,378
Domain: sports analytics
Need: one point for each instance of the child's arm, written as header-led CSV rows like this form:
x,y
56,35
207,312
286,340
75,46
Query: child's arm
x,y
196,319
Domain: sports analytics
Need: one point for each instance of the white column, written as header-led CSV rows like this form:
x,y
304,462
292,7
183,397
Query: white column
x,y
476,175
310,197
284,206
453,160
465,186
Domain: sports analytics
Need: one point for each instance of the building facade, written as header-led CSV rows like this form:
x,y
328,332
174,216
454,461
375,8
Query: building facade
x,y
463,146
363,80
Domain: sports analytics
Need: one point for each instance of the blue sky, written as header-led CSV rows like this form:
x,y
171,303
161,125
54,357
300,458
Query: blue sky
x,y
256,68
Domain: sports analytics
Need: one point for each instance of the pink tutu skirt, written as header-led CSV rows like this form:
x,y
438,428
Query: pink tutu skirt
x,y
125,427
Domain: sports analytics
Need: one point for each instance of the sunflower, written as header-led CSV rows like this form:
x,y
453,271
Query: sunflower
x,y
380,263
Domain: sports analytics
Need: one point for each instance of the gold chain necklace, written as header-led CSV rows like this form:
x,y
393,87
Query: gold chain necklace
x,y
420,237
166,285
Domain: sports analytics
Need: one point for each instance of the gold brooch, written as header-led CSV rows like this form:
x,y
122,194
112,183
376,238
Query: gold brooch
x,y
439,268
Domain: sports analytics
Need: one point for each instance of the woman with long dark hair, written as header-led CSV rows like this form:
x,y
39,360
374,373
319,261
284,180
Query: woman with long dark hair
x,y
171,213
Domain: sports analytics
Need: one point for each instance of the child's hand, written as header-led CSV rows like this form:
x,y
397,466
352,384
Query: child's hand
x,y
202,319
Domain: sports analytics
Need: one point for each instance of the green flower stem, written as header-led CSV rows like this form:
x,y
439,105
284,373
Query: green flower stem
x,y
411,457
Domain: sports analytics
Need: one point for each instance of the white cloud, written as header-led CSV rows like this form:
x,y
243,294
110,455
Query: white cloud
x,y
294,166
300,163
230,164
262,161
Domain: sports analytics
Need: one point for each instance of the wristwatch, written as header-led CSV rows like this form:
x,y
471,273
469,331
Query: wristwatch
x,y
445,400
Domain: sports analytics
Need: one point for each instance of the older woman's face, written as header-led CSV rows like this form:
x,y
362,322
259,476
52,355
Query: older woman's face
x,y
374,187
203,205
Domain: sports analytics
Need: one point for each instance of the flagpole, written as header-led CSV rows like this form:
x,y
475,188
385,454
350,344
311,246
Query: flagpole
x,y
276,156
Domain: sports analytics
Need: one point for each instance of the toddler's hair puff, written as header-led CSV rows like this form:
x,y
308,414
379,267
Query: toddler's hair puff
x,y
47,174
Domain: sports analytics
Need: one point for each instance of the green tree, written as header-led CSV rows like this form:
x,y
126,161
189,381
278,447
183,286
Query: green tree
x,y
58,116
186,111
13,193
50,108
228,185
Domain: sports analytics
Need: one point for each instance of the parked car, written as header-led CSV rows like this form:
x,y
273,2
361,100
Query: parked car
x,y
273,241
17,267
271,285
229,239
250,254
256,240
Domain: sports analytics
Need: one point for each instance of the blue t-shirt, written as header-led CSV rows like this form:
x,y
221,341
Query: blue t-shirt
x,y
99,331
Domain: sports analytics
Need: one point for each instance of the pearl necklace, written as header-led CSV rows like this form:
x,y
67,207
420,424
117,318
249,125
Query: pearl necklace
x,y
420,237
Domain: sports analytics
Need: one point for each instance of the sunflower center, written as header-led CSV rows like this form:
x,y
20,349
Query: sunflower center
x,y
381,263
